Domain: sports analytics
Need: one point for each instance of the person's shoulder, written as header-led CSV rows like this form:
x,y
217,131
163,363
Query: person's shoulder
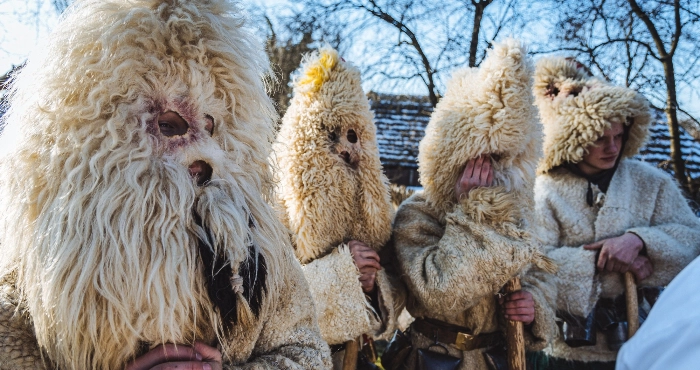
x,y
416,207
554,181
644,171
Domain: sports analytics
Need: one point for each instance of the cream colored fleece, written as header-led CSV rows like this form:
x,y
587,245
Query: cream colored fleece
x,y
326,199
342,307
640,199
285,335
453,267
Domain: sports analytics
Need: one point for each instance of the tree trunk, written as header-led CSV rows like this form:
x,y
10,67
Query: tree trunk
x,y
673,127
474,44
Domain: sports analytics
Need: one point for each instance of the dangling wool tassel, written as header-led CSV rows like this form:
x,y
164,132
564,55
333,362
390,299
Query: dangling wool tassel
x,y
245,316
238,297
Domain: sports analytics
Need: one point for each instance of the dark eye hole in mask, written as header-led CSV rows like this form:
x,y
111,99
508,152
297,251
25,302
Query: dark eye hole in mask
x,y
172,124
209,128
352,136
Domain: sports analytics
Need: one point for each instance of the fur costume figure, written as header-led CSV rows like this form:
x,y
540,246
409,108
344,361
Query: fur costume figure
x,y
456,255
332,190
576,109
136,196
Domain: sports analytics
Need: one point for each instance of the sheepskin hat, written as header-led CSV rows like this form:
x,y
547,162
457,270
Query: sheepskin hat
x,y
331,184
488,110
576,108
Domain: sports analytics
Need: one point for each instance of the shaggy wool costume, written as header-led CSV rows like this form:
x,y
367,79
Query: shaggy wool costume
x,y
109,246
332,190
455,256
640,199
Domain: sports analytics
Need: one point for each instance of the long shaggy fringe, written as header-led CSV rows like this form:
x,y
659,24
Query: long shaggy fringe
x,y
97,218
326,202
576,109
485,111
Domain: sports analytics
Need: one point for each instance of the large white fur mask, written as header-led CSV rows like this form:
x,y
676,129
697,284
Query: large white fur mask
x,y
488,110
331,185
113,245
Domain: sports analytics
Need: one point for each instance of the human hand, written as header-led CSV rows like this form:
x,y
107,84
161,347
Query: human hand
x,y
519,306
171,356
478,172
616,254
367,261
641,268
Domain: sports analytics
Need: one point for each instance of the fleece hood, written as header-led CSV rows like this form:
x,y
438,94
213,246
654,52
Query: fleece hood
x,y
331,186
485,110
576,108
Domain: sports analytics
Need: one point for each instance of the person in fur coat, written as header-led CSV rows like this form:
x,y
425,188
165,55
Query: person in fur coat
x,y
137,230
601,213
335,199
470,231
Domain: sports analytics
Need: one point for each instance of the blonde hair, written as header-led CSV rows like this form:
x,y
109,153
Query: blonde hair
x,y
98,209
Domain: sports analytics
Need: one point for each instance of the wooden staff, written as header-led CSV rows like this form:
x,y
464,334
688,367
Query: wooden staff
x,y
515,339
632,305
352,348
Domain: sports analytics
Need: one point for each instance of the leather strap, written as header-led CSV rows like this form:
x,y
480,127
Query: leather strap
x,y
457,336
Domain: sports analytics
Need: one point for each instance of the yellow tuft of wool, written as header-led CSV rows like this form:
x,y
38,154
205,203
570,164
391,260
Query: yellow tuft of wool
x,y
318,73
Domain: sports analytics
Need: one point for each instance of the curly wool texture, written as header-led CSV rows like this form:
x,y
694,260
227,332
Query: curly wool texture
x,y
640,199
576,109
340,316
485,111
325,200
99,201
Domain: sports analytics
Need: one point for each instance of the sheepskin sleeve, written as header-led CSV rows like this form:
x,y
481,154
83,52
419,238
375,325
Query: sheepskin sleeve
x,y
672,238
450,265
576,283
289,337
18,346
343,310
543,288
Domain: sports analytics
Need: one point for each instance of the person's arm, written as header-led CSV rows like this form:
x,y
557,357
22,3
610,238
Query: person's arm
x,y
289,338
342,308
543,288
18,348
576,285
672,239
455,265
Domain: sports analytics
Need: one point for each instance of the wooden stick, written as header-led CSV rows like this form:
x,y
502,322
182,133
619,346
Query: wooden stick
x,y
352,348
632,305
515,339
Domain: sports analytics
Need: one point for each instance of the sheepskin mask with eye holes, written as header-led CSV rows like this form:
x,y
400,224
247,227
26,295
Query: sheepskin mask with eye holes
x,y
488,110
331,184
137,160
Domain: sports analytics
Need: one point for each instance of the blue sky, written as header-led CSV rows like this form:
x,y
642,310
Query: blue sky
x,y
19,35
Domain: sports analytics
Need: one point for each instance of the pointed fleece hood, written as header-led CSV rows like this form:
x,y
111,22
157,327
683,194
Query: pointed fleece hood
x,y
488,110
576,109
331,185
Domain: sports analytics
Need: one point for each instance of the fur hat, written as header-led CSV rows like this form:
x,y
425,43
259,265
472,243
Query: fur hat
x,y
488,110
576,109
331,184
99,198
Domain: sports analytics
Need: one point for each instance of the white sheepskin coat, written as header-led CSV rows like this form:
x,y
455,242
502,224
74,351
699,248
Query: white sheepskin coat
x,y
576,108
640,199
454,256
326,201
100,251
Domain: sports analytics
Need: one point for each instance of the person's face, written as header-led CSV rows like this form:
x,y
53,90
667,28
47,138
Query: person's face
x,y
603,154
